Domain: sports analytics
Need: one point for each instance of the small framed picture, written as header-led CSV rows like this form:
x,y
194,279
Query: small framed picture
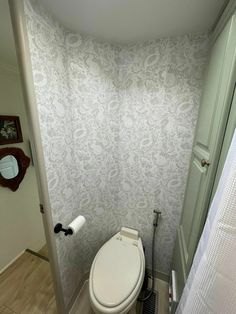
x,y
10,130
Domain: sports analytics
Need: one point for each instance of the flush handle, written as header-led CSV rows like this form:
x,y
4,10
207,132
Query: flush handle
x,y
205,162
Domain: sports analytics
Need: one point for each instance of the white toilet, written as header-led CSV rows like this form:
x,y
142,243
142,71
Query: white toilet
x,y
117,273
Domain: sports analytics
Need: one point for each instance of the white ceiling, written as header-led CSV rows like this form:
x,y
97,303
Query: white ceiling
x,y
131,20
7,46
120,20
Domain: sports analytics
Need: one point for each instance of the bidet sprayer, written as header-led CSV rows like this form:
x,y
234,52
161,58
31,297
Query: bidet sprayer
x,y
156,218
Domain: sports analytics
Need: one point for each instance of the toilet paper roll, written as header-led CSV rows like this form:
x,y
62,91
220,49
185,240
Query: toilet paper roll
x,y
77,224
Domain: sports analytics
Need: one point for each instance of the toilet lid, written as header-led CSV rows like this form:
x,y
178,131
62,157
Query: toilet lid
x,y
116,272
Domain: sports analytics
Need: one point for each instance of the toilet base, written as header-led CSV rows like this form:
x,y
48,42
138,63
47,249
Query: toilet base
x,y
133,310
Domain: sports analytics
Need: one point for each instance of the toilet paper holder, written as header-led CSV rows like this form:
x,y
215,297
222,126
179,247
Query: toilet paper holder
x,y
58,228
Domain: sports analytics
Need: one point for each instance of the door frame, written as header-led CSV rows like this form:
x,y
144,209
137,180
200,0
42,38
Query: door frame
x,y
227,11
23,57
179,252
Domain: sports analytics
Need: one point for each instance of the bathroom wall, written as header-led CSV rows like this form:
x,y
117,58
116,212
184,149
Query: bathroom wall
x,y
48,56
159,89
78,104
20,220
117,125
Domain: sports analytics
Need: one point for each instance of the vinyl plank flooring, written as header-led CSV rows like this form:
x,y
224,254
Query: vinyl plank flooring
x,y
15,276
5,310
26,286
163,289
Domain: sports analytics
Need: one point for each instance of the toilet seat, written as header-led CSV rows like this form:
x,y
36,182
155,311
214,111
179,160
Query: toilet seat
x,y
116,275
110,263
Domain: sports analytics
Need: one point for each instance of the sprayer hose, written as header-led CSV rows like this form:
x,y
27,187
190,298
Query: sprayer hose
x,y
153,263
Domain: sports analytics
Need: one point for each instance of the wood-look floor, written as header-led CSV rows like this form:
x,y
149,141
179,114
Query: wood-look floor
x,y
26,287
163,290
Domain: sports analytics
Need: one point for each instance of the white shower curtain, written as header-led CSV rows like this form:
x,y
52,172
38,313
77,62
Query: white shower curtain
x,y
211,284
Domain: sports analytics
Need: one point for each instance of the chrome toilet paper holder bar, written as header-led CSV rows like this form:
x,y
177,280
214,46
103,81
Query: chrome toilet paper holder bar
x,y
58,228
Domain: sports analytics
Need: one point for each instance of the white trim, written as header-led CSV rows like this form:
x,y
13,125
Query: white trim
x,y
25,70
11,262
224,18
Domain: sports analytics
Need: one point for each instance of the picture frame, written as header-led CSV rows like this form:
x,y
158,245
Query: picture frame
x,y
10,130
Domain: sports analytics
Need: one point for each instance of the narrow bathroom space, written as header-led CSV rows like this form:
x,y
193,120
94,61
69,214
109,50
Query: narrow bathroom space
x,y
127,122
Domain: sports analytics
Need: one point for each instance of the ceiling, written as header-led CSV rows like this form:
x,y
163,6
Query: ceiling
x,y
133,20
7,46
120,20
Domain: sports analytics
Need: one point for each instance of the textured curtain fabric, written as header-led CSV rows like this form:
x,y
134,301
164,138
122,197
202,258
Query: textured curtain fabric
x,y
211,285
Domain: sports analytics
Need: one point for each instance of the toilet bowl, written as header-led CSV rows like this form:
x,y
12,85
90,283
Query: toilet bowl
x,y
117,273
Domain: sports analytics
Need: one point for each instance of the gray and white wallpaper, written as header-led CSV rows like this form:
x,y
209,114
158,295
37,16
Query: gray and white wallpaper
x,y
117,124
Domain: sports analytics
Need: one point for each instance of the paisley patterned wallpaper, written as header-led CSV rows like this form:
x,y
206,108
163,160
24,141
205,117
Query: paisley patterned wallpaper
x,y
117,126
159,91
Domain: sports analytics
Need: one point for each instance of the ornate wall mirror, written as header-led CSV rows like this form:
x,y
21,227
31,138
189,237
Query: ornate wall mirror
x,y
13,166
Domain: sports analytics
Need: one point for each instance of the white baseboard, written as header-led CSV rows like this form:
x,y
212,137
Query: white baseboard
x,y
11,262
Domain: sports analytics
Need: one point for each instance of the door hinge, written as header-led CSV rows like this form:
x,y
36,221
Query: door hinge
x,y
41,208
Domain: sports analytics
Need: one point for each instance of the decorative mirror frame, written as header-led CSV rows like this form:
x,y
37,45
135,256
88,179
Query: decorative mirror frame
x,y
23,163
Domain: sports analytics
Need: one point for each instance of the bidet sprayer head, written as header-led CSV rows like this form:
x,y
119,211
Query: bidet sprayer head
x,y
156,219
